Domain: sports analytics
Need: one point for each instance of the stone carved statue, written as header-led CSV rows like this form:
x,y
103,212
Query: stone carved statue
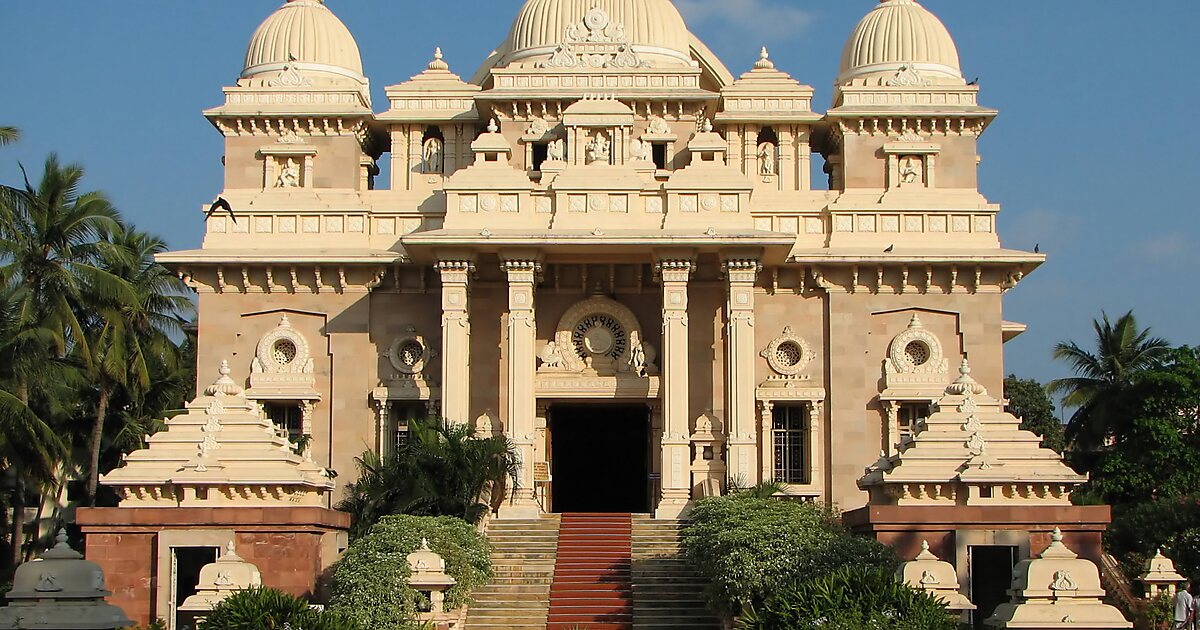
x,y
767,158
599,149
639,150
289,175
659,127
551,357
433,156
537,127
911,170
556,150
641,355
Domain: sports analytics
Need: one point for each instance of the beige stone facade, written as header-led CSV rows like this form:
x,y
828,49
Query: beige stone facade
x,y
605,232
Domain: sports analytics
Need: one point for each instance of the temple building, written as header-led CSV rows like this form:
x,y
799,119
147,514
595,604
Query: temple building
x,y
610,248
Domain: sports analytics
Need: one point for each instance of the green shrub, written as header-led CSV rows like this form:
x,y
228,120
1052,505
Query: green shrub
x,y
1140,529
369,581
269,609
851,598
747,546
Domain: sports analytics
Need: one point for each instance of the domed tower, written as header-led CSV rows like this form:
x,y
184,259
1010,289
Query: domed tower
x,y
906,124
297,120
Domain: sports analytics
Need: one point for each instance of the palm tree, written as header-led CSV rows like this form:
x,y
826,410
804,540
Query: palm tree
x,y
9,135
49,237
1122,352
444,470
129,338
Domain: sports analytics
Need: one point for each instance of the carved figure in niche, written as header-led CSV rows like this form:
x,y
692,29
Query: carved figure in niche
x,y
556,150
767,159
551,357
659,127
912,170
599,149
641,355
537,127
433,156
639,150
289,175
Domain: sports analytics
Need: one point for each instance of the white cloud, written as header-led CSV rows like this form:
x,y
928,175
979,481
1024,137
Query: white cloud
x,y
767,20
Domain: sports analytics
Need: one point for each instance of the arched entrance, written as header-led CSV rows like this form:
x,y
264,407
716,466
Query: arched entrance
x,y
599,457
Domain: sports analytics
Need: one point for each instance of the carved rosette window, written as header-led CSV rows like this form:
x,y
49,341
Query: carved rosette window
x,y
916,351
788,354
409,353
601,333
283,350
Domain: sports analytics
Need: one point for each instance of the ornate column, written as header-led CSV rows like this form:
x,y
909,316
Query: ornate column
x,y
891,433
676,441
381,426
766,443
521,406
308,409
740,356
816,443
456,339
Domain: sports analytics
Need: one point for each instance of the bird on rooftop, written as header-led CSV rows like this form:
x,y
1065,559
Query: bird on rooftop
x,y
220,204
890,248
1037,249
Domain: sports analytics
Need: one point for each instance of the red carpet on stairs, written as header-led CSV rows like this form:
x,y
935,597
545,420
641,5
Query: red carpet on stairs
x,y
593,581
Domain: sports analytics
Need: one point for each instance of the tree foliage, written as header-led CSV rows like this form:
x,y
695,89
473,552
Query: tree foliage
x,y
90,327
443,470
1103,377
1028,400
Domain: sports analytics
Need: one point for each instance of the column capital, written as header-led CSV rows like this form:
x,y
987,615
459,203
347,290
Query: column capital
x,y
741,269
517,266
674,269
455,265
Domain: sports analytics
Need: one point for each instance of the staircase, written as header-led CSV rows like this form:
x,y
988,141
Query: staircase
x,y
667,591
523,555
592,587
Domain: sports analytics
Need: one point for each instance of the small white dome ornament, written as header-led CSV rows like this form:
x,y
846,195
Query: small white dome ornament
x,y
61,590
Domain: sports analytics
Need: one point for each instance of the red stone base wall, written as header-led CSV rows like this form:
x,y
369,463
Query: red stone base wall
x,y
292,547
904,527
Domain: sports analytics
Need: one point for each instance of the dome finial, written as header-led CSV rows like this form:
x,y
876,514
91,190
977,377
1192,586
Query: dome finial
x,y
493,126
438,63
764,61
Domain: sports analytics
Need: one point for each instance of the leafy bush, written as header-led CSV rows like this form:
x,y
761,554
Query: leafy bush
x,y
748,546
269,609
850,598
369,581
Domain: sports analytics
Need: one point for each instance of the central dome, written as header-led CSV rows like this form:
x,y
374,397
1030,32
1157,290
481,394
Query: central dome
x,y
304,36
896,36
654,28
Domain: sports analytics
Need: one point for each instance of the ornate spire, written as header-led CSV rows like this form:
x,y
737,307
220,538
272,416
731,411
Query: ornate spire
x,y
964,385
437,64
493,126
224,385
764,61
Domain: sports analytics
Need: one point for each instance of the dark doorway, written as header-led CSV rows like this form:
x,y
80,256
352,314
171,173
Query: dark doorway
x,y
991,577
599,458
188,562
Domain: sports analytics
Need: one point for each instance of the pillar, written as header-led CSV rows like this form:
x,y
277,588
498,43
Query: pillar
x,y
521,405
816,444
456,340
891,433
676,441
740,356
766,438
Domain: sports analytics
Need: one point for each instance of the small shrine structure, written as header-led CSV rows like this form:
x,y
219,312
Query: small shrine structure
x,y
220,472
60,591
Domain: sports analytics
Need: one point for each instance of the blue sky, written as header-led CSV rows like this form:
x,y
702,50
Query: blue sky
x,y
1094,156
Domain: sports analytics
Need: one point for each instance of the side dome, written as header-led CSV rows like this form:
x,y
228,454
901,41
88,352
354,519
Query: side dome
x,y
898,36
305,37
653,28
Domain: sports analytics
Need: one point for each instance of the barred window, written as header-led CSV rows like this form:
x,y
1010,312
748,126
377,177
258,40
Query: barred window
x,y
790,438
287,417
911,414
401,415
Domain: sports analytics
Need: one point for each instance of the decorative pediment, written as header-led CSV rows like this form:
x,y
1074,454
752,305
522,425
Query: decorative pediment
x,y
595,42
283,364
915,359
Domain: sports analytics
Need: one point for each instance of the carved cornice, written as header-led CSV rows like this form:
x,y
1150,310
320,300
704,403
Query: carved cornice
x,y
900,278
282,278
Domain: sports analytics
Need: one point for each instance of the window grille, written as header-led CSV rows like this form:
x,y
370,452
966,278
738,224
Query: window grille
x,y
790,439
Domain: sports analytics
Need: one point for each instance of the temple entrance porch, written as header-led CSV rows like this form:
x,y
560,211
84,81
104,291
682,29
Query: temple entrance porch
x,y
600,458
